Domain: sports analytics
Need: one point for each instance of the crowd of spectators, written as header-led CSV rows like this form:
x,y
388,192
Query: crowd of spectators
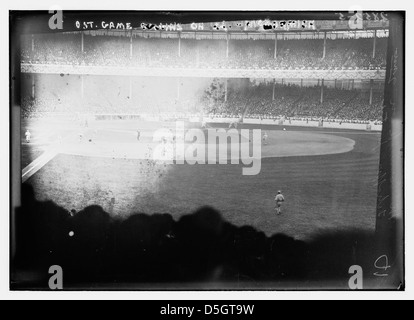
x,y
359,108
162,251
107,95
304,103
263,103
51,49
311,104
352,54
172,53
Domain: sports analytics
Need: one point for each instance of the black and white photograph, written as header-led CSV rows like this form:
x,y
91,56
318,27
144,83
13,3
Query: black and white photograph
x,y
207,150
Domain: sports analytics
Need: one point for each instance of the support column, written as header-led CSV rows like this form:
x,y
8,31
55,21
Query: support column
x,y
179,45
227,48
275,54
33,87
274,89
198,57
82,42
371,92
82,87
33,43
336,83
178,88
130,88
324,46
375,45
131,52
322,89
225,89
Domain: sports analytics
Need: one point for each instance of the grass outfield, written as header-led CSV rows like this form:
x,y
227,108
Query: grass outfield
x,y
323,192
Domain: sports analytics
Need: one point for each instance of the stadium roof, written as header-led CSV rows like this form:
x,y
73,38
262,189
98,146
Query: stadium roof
x,y
234,22
344,28
269,26
241,27
252,35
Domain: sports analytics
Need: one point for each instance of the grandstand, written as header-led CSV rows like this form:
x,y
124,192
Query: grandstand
x,y
325,73
140,51
253,99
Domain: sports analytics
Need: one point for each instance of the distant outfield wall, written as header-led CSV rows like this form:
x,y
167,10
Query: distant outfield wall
x,y
219,120
301,123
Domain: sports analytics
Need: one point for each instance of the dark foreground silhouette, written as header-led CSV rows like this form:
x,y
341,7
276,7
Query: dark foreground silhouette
x,y
199,251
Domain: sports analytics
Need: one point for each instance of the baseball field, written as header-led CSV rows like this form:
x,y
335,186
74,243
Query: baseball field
x,y
328,177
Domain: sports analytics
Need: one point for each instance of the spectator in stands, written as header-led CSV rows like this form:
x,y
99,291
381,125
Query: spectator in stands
x,y
206,54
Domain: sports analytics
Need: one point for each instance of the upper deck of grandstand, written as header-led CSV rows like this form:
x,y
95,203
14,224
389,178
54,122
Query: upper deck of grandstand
x,y
317,46
324,50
